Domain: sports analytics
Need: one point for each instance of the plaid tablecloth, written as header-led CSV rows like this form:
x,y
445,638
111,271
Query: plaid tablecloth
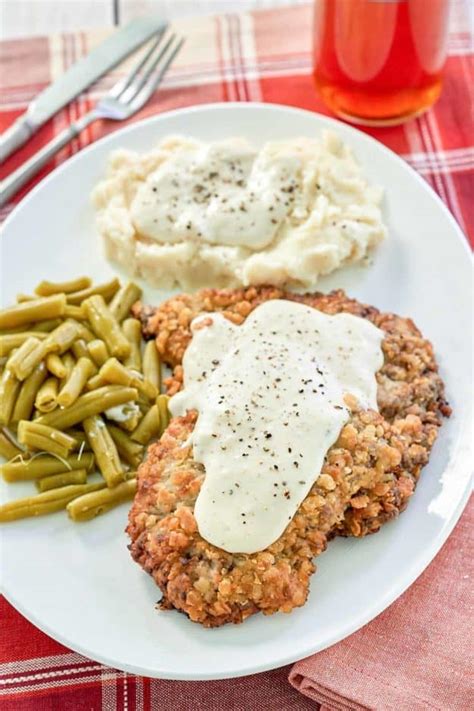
x,y
264,56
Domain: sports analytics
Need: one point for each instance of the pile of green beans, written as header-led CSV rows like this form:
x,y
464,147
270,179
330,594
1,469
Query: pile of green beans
x,y
79,394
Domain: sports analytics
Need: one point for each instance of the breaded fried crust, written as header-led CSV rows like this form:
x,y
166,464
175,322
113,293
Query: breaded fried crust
x,y
368,475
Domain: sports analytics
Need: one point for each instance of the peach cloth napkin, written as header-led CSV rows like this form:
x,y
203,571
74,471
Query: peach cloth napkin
x,y
417,655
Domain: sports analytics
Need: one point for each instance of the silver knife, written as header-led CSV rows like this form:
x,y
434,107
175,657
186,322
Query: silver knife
x,y
86,71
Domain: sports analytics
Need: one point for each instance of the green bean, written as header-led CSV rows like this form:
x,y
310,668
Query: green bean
x,y
131,423
82,330
81,440
114,372
66,440
74,385
78,435
131,452
106,326
36,310
95,382
126,416
69,363
45,503
44,465
14,363
62,338
89,506
36,442
79,348
104,448
15,331
55,481
124,299
7,448
57,341
46,288
106,290
152,365
47,396
14,340
76,312
47,439
9,388
88,405
162,402
133,333
32,355
27,395
149,427
98,380
45,326
143,404
55,366
98,351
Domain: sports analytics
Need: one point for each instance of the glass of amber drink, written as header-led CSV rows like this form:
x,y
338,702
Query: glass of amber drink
x,y
379,62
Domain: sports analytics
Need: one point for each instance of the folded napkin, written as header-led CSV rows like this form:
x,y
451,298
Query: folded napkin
x,y
416,655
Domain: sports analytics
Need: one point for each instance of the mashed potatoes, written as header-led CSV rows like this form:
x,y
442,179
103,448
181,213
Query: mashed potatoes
x,y
225,214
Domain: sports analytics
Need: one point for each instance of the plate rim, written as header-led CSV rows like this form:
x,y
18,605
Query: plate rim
x,y
418,566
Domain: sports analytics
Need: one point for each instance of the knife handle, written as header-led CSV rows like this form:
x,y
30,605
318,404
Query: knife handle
x,y
28,170
15,136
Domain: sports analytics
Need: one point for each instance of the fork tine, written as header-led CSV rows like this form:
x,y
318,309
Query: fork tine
x,y
118,88
136,86
148,87
164,68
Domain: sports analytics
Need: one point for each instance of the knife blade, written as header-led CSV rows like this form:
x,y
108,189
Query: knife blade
x,y
77,78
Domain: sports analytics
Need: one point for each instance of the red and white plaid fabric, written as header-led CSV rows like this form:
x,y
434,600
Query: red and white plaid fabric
x,y
264,56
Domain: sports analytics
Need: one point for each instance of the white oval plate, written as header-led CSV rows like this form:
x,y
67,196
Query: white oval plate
x,y
78,583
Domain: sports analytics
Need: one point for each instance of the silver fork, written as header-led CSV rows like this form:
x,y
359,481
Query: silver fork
x,y
125,98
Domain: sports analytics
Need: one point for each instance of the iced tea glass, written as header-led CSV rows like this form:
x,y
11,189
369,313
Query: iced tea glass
x,y
379,62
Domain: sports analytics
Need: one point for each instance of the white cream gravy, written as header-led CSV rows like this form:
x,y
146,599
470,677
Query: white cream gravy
x,y
270,401
221,193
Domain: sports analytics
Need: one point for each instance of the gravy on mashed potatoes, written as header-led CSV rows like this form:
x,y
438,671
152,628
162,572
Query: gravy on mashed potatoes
x,y
226,214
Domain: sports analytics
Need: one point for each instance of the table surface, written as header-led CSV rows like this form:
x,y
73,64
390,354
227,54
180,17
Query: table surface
x,y
21,18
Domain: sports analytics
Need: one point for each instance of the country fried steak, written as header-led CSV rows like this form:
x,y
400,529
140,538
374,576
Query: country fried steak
x,y
367,479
